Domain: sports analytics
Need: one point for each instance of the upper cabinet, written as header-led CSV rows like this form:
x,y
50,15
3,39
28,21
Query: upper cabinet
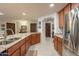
x,y
74,5
61,19
67,9
61,13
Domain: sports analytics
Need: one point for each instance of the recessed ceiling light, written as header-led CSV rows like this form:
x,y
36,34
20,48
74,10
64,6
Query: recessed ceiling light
x,y
51,5
1,13
23,13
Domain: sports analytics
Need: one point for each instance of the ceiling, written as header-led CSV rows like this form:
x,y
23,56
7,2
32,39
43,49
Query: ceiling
x,y
32,10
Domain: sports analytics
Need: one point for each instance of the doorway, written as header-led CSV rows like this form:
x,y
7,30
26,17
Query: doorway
x,y
48,29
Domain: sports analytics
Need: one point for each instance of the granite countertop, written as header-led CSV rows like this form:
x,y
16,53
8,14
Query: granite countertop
x,y
21,35
59,35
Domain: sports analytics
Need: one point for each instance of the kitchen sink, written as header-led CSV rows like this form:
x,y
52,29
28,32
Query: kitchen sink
x,y
16,38
9,41
5,42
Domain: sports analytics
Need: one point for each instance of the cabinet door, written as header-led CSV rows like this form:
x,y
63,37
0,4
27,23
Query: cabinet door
x,y
29,41
27,45
16,53
38,38
67,9
60,47
55,42
33,39
23,49
74,5
61,19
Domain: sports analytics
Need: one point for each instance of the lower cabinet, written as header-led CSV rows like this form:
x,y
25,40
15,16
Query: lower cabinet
x,y
16,53
28,44
35,38
21,48
58,45
55,43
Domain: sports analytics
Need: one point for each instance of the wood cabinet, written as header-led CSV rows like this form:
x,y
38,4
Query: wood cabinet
x,y
18,46
67,8
35,38
17,53
61,13
61,19
58,45
74,5
28,43
55,42
21,47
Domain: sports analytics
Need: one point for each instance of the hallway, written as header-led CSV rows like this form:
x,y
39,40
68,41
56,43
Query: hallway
x,y
43,49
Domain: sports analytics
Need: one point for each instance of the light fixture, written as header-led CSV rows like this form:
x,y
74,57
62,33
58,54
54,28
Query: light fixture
x,y
51,5
1,13
23,22
23,13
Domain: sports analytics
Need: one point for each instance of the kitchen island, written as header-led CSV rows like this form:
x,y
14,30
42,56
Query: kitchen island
x,y
20,47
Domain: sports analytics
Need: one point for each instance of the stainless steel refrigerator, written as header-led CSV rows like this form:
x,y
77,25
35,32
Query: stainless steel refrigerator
x,y
71,30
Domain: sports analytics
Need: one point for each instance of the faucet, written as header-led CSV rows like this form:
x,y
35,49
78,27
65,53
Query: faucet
x,y
5,35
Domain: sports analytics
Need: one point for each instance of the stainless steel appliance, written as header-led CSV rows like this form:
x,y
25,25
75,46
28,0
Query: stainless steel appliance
x,y
71,31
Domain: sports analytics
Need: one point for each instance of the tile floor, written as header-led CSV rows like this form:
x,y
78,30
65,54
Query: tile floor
x,y
43,49
67,52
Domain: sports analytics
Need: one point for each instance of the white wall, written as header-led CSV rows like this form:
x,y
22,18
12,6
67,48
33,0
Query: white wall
x,y
56,25
4,22
18,24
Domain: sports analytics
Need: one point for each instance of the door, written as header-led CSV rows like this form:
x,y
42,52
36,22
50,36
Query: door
x,y
10,26
33,27
48,29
